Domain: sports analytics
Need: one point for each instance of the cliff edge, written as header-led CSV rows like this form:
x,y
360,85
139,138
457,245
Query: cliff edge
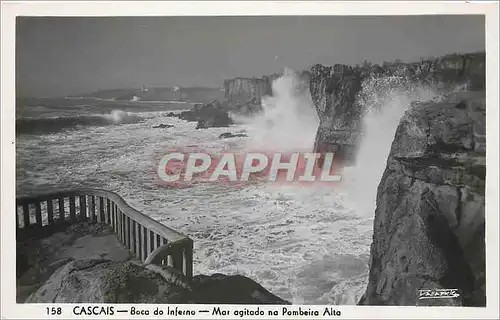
x,y
242,90
429,227
341,96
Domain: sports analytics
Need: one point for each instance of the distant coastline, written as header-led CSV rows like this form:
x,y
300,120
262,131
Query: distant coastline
x,y
157,94
125,101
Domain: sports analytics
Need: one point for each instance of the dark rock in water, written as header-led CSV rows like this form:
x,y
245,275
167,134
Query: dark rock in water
x,y
163,126
220,288
227,135
337,92
198,107
171,114
429,227
188,116
208,116
214,123
105,281
249,108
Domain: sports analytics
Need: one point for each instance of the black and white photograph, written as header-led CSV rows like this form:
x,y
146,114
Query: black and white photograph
x,y
256,160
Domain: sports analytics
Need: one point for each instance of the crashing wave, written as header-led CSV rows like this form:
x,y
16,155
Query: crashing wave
x,y
57,124
289,119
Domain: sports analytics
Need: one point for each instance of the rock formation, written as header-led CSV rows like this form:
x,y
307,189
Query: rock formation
x,y
210,115
337,92
429,227
105,281
220,288
243,95
242,90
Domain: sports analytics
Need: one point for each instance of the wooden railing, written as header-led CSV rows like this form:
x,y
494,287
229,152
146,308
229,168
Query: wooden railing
x,y
149,240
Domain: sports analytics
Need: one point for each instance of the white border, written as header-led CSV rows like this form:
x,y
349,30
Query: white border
x,y
156,8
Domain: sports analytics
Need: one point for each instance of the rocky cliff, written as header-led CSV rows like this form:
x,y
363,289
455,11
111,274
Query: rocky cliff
x,y
241,90
243,95
340,95
429,227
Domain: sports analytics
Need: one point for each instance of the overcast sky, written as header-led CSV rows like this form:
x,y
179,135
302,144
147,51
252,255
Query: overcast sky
x,y
60,56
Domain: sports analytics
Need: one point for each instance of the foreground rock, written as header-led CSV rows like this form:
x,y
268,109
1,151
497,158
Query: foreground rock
x,y
340,97
38,258
105,281
429,228
220,288
211,115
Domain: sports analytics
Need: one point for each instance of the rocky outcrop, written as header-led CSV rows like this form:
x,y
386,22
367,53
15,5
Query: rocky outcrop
x,y
243,95
429,227
105,281
249,108
242,90
210,115
237,289
340,99
40,254
214,122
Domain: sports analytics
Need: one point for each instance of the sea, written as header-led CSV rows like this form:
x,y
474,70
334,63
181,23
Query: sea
x,y
306,244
